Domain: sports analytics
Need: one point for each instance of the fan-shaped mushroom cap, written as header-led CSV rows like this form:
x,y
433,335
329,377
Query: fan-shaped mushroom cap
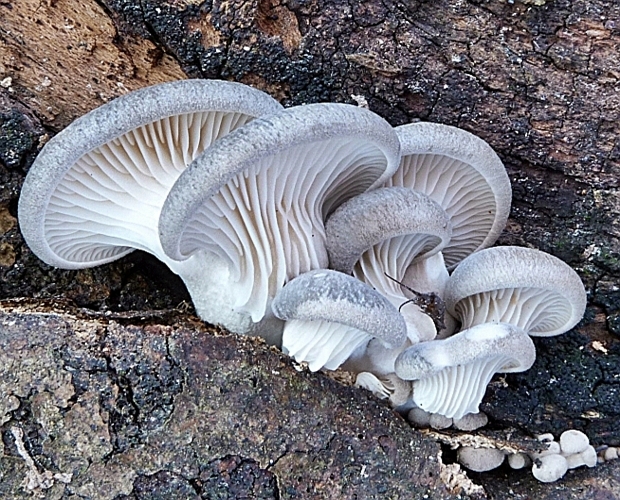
x,y
521,286
95,191
464,175
378,234
450,375
329,314
256,201
382,215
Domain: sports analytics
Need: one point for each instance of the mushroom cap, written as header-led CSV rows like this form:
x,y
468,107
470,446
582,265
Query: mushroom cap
x,y
519,460
573,441
451,375
549,468
610,453
521,286
379,234
471,421
331,296
586,457
94,192
463,174
330,315
419,224
480,459
419,418
259,197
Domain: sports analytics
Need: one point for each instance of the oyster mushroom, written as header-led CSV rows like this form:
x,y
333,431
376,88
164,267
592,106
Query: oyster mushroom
x,y
463,174
329,315
451,375
254,205
377,235
95,191
521,286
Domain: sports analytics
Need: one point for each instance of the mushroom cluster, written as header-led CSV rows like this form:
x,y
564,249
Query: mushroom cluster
x,y
571,451
322,228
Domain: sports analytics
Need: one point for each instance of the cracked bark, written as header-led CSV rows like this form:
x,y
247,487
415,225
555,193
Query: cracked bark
x,y
538,82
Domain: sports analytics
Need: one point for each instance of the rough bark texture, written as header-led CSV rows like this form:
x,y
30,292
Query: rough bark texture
x,y
537,80
118,411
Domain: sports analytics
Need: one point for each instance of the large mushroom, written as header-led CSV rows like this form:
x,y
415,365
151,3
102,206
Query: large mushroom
x,y
329,315
463,174
378,235
521,286
254,205
95,191
451,375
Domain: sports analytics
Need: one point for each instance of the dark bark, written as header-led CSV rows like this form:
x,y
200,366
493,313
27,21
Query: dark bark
x,y
538,82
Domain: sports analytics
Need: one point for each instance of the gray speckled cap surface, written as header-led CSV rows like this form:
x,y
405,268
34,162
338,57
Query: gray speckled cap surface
x,y
468,346
333,296
112,120
378,215
512,267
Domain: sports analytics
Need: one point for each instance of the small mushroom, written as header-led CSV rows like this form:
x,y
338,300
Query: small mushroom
x,y
471,421
451,375
573,441
329,315
463,174
586,457
553,447
519,460
521,286
549,468
610,453
377,235
256,203
419,418
439,422
480,459
95,191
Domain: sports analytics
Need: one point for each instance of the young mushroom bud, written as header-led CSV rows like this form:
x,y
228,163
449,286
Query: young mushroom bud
x,y
480,459
330,314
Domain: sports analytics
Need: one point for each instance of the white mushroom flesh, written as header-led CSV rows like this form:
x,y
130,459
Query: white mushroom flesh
x,y
462,192
321,344
268,222
109,202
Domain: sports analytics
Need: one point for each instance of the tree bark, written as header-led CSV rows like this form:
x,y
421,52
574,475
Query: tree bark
x,y
537,80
